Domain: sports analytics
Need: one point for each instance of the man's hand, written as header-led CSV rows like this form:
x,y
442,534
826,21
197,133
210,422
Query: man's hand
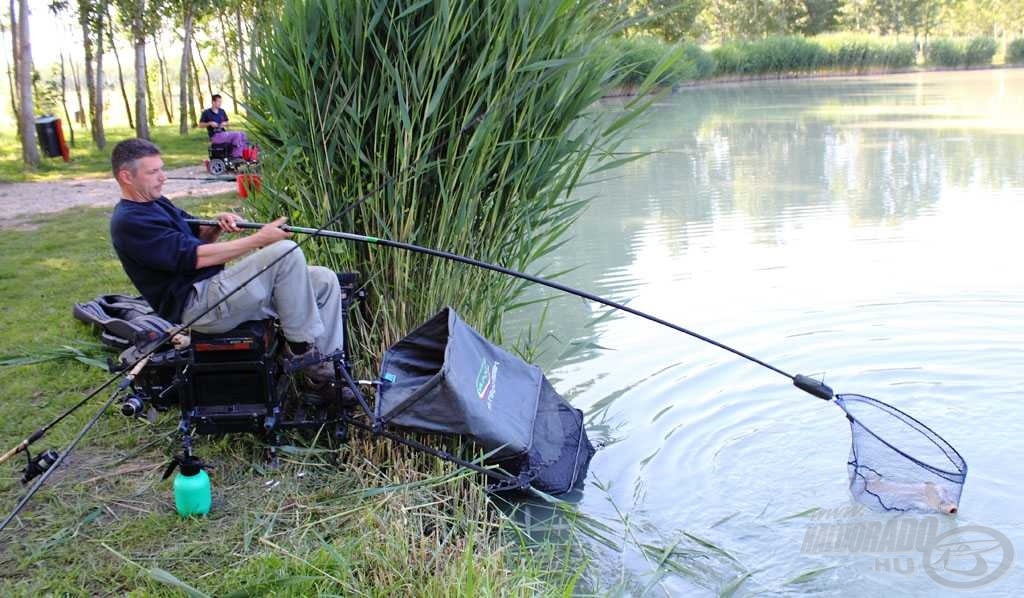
x,y
272,232
212,254
228,222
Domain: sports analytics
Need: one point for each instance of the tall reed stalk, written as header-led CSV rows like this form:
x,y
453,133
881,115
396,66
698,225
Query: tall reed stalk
x,y
475,118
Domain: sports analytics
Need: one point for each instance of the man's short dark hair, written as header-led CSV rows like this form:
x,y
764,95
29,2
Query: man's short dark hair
x,y
128,151
216,96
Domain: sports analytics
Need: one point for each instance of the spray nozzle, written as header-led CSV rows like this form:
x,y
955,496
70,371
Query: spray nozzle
x,y
190,465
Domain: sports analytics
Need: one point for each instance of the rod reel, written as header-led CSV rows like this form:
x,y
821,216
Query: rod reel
x,y
38,465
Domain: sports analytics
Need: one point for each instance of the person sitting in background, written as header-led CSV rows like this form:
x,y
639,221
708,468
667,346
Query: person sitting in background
x,y
215,119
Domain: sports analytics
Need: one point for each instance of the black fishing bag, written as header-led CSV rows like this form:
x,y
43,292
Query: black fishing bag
x,y
445,377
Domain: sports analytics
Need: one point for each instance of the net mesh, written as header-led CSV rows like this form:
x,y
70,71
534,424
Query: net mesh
x,y
897,463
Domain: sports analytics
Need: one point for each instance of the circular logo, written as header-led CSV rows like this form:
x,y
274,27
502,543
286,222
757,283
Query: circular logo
x,y
963,557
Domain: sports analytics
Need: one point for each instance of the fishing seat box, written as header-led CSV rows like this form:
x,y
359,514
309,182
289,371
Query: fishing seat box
x,y
234,376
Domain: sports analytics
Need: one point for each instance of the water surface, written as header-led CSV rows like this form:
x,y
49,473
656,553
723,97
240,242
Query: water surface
x,y
865,230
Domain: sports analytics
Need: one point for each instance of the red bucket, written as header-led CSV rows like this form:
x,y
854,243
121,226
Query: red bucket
x,y
248,183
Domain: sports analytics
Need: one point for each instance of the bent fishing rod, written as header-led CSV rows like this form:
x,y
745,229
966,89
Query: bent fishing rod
x,y
804,383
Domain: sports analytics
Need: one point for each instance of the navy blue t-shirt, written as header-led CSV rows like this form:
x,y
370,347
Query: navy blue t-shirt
x,y
209,116
157,249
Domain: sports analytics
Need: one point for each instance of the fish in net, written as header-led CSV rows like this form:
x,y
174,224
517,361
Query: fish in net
x,y
897,463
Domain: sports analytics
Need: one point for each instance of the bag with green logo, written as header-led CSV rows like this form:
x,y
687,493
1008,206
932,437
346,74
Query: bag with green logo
x,y
444,377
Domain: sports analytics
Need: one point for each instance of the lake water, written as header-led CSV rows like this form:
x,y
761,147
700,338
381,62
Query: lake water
x,y
864,230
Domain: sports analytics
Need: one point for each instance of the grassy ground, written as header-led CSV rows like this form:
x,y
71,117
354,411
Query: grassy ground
x,y
362,519
88,161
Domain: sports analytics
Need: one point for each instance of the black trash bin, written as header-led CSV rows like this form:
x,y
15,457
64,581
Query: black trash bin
x,y
46,131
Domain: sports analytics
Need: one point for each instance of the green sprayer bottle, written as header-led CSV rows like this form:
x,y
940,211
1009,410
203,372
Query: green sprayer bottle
x,y
192,494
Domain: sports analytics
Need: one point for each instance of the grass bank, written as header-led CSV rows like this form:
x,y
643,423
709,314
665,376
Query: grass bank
x,y
88,161
362,518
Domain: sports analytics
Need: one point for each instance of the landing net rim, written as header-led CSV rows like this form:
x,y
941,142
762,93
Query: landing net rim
x,y
957,477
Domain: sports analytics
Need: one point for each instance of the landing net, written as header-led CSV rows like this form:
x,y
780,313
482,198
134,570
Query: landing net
x,y
897,463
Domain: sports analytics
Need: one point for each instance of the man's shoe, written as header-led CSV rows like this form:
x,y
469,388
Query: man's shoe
x,y
318,373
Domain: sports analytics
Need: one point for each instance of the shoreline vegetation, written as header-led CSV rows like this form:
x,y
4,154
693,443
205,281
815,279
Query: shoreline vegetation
x,y
796,57
628,92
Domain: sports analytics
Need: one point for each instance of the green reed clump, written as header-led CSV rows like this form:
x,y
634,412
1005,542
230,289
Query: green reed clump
x,y
636,57
1015,51
842,52
731,58
953,53
458,126
979,51
779,54
472,119
703,63
860,52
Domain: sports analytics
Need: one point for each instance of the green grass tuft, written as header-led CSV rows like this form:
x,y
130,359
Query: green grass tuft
x,y
956,53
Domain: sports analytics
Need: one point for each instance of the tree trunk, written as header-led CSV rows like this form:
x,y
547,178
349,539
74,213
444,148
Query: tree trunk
x,y
231,63
98,134
150,107
26,120
12,72
14,96
90,75
64,99
120,72
196,90
12,67
241,55
165,89
80,116
186,54
253,41
202,63
141,82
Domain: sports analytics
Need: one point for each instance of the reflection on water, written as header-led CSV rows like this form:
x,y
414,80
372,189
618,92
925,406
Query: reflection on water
x,y
861,229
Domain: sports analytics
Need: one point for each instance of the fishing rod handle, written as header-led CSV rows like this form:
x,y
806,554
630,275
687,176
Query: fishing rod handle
x,y
22,445
14,451
249,225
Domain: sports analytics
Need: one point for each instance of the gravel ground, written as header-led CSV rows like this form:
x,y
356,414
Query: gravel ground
x,y
20,202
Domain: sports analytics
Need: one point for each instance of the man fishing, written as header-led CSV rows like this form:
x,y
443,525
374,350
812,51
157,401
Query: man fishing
x,y
180,269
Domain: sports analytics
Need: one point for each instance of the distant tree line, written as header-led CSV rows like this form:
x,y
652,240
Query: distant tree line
x,y
718,21
230,31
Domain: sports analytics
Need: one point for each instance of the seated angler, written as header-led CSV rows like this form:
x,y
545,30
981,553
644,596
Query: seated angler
x,y
180,269
215,119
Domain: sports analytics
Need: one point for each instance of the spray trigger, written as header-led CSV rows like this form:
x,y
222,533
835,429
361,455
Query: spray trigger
x,y
190,465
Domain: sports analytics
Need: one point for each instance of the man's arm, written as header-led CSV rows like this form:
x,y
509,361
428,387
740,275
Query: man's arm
x,y
214,254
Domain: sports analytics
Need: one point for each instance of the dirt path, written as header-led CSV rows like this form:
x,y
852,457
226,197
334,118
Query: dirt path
x,y
19,202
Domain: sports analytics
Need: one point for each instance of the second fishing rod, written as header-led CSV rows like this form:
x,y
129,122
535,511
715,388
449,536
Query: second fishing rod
x,y
805,383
